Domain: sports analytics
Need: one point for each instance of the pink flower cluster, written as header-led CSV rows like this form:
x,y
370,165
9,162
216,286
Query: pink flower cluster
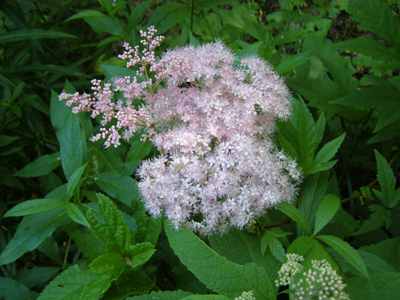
x,y
211,115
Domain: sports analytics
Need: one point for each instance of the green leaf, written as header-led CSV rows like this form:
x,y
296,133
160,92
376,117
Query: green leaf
x,y
293,213
292,63
206,297
387,182
166,295
41,166
29,34
31,232
138,13
38,276
216,272
33,207
137,152
148,228
327,152
375,16
313,189
114,227
167,15
369,47
326,211
274,245
76,214
5,140
86,14
388,250
382,286
13,290
379,217
242,248
139,254
348,252
108,261
103,281
68,284
74,180
375,263
122,188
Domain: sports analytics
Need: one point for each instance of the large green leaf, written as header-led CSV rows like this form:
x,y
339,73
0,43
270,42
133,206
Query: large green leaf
x,y
41,166
114,228
31,232
243,248
292,212
388,250
166,295
33,206
216,272
326,211
13,290
167,15
68,284
375,16
387,181
28,34
122,188
348,252
74,180
382,286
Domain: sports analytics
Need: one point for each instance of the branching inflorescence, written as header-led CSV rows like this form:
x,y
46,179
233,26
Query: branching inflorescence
x,y
211,115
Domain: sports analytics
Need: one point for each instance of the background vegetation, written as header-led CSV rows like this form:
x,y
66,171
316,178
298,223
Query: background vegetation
x,y
341,60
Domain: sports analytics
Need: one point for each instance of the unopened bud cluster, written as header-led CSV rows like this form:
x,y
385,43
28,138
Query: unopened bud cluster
x,y
319,282
246,296
211,115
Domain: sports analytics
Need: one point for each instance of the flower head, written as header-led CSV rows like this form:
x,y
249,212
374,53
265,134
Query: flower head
x,y
211,115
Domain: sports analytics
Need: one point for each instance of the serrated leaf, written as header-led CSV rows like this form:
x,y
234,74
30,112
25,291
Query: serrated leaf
x,y
326,153
139,254
103,281
379,217
167,15
31,232
108,261
326,211
216,272
348,252
122,188
387,182
13,290
114,228
375,16
206,297
165,295
375,263
76,214
293,213
33,207
41,166
274,245
370,47
382,286
74,180
37,276
388,250
292,63
68,284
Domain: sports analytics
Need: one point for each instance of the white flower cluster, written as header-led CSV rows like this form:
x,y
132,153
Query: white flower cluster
x,y
320,282
211,114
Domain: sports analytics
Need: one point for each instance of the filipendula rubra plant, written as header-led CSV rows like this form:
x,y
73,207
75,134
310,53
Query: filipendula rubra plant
x,y
211,115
